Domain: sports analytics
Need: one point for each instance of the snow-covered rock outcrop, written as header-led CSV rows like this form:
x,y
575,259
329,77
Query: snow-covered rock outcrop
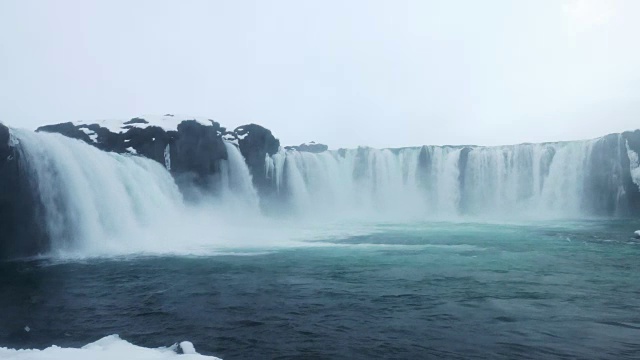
x,y
190,147
311,147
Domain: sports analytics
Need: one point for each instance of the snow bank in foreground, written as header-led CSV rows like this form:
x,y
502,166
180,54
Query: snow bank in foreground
x,y
108,348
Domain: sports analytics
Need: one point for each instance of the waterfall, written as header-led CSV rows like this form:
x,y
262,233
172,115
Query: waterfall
x,y
90,199
364,180
167,157
236,187
527,179
81,199
552,180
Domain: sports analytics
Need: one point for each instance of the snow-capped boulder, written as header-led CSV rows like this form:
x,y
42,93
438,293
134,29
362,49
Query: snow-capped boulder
x,y
190,145
255,143
191,148
311,147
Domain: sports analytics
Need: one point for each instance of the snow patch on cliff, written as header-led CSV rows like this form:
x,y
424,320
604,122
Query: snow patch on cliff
x,y
13,140
230,138
107,348
92,134
166,122
634,165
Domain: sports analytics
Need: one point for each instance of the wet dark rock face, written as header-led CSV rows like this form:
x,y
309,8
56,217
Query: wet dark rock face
x,y
20,231
196,149
256,143
5,149
631,189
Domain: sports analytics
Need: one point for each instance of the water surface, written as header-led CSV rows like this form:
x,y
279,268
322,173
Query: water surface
x,y
554,290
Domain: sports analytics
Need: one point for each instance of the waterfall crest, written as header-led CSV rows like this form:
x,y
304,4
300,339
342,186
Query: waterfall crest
x,y
552,180
84,200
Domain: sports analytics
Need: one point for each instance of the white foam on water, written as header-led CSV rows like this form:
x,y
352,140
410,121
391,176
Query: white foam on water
x,y
107,348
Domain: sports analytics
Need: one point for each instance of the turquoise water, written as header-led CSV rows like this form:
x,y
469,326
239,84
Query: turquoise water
x,y
404,291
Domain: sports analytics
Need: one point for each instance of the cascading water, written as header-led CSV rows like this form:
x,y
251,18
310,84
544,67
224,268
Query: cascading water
x,y
553,180
527,179
363,181
87,201
237,188
91,199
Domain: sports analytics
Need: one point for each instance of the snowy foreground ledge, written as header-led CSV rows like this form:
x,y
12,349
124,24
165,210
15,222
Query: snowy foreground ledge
x,y
108,348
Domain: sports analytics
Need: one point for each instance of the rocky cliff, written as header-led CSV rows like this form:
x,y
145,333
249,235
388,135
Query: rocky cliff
x,y
20,232
191,149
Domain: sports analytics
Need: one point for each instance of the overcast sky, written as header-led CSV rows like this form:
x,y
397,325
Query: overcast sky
x,y
345,73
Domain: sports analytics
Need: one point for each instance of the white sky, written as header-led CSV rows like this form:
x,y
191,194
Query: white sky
x,y
345,73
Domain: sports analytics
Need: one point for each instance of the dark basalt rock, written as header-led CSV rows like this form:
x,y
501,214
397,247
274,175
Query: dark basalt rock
x,y
106,140
610,185
197,149
150,142
67,129
255,143
631,189
311,147
136,121
20,231
601,185
5,136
